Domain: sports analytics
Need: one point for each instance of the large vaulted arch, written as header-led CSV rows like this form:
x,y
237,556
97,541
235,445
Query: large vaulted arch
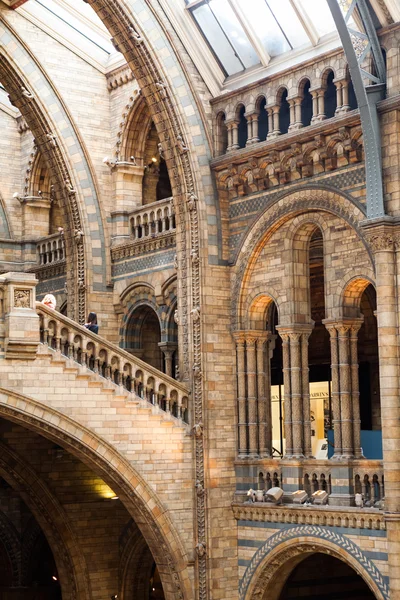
x,y
138,497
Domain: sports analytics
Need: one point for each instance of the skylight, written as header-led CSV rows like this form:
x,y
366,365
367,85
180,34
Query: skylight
x,y
245,33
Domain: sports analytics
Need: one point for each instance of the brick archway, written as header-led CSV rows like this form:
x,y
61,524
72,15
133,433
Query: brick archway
x,y
139,499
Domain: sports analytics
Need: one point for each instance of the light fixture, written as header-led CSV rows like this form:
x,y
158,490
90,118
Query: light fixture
x,y
299,497
114,498
153,159
114,596
55,578
274,495
320,497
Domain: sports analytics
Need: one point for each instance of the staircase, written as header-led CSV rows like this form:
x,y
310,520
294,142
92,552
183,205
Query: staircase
x,y
109,366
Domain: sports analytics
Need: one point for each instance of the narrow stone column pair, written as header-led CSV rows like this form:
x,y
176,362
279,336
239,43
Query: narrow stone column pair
x,y
345,387
253,350
233,135
296,390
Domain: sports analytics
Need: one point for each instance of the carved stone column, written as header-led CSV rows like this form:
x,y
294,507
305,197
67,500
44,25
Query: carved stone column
x,y
168,349
296,390
252,128
274,131
307,450
241,394
265,347
355,388
345,386
295,114
335,388
287,398
318,96
251,394
339,96
232,129
235,135
345,390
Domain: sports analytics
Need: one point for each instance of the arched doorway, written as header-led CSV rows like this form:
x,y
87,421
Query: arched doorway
x,y
143,335
324,577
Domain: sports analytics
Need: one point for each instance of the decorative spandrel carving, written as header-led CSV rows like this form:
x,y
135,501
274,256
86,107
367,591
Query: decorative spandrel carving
x,y
22,298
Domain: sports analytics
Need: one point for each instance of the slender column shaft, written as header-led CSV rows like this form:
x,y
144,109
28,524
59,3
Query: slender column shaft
x,y
297,404
335,390
345,391
297,111
321,104
267,361
276,120
339,97
292,114
355,390
262,385
270,122
314,95
241,384
235,136
251,395
345,96
306,396
287,395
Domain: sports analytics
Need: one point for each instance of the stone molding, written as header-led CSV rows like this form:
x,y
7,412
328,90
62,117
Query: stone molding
x,y
328,516
293,158
54,269
119,77
139,247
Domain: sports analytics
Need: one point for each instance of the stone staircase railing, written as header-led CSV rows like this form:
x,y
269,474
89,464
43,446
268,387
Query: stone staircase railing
x,y
113,363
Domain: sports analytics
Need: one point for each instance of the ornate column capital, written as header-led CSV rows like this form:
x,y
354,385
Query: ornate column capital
x,y
382,235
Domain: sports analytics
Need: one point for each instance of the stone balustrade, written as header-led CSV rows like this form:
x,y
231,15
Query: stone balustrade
x,y
152,219
50,249
356,518
369,481
107,360
341,479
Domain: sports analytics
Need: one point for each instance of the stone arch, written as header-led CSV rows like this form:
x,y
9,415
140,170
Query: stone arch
x,y
300,233
304,200
258,308
10,539
135,564
22,95
351,295
221,131
273,562
138,497
53,521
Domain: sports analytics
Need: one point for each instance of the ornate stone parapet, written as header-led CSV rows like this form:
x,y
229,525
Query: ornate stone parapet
x,y
18,309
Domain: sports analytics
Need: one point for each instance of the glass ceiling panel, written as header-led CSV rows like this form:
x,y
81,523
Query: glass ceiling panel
x,y
289,22
217,39
234,31
265,26
319,14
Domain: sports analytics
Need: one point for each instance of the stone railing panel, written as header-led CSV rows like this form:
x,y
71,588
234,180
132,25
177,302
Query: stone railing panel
x,y
115,364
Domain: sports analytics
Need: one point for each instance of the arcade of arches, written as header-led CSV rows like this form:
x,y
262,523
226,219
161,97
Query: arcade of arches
x,y
206,177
